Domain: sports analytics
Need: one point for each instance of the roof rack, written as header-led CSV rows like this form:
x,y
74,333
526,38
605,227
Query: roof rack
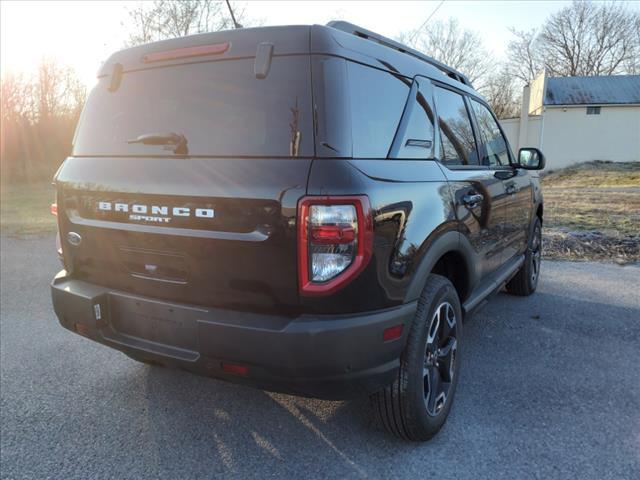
x,y
387,42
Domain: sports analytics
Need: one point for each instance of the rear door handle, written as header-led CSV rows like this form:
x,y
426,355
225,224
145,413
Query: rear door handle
x,y
472,199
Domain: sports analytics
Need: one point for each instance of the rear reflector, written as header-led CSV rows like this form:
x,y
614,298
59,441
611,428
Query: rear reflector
x,y
213,49
54,209
235,369
392,333
82,329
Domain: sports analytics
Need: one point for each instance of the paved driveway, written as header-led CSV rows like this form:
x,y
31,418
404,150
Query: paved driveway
x,y
550,388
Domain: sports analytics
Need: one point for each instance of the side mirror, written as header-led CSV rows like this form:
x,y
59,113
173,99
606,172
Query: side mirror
x,y
530,159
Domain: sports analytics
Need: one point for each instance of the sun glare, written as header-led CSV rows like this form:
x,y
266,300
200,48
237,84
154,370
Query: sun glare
x,y
77,34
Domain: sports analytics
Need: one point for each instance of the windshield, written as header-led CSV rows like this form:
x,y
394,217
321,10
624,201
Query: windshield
x,y
220,108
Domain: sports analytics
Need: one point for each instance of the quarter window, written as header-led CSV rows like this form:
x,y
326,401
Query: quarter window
x,y
416,135
495,150
377,102
457,143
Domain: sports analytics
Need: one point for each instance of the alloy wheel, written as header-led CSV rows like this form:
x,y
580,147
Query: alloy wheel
x,y
440,358
536,255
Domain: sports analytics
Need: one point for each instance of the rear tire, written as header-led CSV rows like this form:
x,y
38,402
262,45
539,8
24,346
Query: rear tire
x,y
416,405
525,282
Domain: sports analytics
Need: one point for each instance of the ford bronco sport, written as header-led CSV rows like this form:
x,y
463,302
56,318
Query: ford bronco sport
x,y
303,209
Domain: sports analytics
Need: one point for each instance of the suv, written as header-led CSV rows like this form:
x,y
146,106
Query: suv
x,y
304,209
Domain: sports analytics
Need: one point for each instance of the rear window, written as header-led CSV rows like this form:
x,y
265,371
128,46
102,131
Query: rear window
x,y
220,107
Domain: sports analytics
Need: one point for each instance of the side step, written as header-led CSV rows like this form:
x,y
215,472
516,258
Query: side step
x,y
493,283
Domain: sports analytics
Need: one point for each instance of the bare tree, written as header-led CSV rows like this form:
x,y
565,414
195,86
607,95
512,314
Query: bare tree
x,y
57,91
39,115
15,98
49,91
162,19
459,48
502,92
583,39
524,57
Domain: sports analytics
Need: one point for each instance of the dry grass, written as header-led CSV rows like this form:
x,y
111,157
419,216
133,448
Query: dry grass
x,y
592,211
24,209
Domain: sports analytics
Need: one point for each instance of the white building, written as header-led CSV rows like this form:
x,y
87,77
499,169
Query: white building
x,y
577,119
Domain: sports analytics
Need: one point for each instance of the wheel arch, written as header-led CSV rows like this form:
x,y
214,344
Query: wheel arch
x,y
540,211
451,256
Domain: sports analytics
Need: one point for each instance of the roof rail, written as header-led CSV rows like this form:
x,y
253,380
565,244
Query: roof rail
x,y
387,42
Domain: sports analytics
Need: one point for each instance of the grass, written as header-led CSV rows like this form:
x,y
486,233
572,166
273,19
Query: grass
x,y
596,174
592,211
594,196
24,209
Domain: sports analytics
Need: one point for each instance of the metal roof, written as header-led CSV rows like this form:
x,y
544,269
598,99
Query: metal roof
x,y
616,89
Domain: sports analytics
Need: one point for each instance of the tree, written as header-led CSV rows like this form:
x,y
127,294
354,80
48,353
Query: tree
x,y
502,92
456,47
162,19
15,97
39,115
524,58
583,39
57,91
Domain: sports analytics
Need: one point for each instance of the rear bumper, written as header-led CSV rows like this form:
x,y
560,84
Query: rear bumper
x,y
312,355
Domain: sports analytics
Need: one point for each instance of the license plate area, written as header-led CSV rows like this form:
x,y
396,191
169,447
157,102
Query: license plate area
x,y
155,321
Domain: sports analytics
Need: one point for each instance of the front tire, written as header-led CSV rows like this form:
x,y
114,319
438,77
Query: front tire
x,y
525,282
416,405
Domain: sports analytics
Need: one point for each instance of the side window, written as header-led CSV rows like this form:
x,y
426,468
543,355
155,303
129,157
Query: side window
x,y
457,143
495,147
377,102
415,139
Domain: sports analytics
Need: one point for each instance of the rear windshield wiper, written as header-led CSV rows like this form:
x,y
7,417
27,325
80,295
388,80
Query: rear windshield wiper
x,y
176,140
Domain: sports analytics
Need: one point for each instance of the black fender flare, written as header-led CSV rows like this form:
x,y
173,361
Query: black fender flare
x,y
532,223
451,241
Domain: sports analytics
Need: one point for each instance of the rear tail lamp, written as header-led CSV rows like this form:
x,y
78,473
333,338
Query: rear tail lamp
x,y
335,241
54,209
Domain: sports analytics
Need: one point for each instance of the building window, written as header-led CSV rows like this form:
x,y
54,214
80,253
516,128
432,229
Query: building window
x,y
593,110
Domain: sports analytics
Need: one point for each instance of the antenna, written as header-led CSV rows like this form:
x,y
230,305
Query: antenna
x,y
233,17
417,30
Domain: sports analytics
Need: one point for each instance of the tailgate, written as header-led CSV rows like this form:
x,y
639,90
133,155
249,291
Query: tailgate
x,y
218,232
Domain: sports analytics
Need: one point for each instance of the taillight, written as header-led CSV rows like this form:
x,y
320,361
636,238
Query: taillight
x,y
54,209
335,241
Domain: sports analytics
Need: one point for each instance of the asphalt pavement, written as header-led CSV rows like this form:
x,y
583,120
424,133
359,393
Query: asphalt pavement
x,y
549,388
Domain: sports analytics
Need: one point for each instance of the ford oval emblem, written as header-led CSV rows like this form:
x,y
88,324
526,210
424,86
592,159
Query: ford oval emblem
x,y
74,238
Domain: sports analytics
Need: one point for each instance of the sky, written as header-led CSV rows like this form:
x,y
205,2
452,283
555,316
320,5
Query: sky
x,y
83,34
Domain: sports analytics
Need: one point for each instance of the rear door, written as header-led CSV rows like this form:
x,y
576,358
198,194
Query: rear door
x,y
213,224
479,196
